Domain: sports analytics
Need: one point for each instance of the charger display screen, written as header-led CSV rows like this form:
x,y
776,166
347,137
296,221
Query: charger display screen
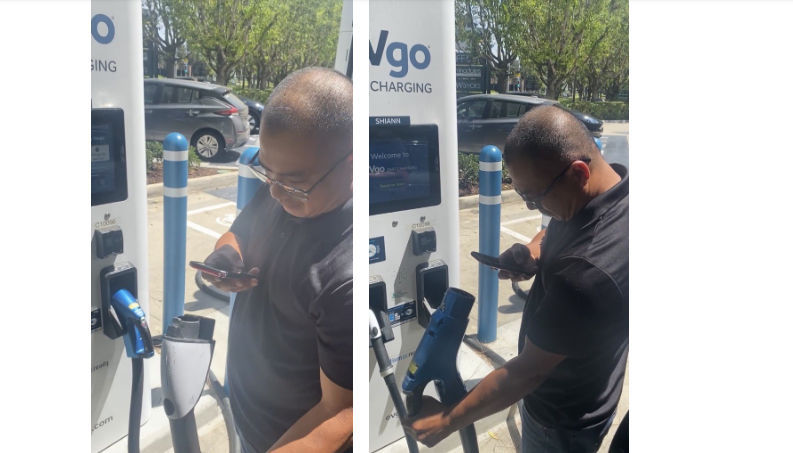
x,y
108,157
404,168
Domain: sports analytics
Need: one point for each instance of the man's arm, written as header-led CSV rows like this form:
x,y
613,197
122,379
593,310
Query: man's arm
x,y
231,239
497,391
326,428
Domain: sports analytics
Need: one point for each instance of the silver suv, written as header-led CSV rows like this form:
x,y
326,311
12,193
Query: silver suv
x,y
211,117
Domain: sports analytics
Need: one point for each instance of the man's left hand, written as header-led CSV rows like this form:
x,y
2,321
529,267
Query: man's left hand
x,y
432,424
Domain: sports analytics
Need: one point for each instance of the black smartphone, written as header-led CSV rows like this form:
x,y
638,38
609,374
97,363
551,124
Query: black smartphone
x,y
219,273
492,261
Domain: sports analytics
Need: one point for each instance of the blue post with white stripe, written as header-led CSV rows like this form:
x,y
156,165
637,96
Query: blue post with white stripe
x,y
247,186
489,237
175,234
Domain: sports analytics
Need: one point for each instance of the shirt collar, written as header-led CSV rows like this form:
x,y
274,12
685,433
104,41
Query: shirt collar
x,y
341,216
599,205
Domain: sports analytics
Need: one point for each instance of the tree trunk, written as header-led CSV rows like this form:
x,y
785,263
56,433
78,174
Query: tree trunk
x,y
170,64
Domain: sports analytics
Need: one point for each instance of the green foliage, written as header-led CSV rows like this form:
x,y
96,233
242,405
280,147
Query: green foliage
x,y
255,94
559,36
193,161
600,110
469,171
153,154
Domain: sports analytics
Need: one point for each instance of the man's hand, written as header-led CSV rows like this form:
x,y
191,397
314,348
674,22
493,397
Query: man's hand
x,y
432,424
520,256
228,259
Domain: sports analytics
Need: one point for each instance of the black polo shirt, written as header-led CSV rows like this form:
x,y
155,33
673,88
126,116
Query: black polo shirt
x,y
578,307
297,320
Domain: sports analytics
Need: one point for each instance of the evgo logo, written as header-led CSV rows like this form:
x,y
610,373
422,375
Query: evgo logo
x,y
418,55
102,37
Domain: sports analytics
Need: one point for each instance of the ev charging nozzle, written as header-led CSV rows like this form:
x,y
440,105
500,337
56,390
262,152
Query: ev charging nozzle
x,y
387,372
137,337
435,359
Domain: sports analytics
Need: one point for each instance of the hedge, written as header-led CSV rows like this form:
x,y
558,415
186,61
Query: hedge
x,y
469,171
253,93
154,154
601,110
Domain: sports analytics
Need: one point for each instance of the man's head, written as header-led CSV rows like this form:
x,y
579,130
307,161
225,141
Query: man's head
x,y
550,148
306,141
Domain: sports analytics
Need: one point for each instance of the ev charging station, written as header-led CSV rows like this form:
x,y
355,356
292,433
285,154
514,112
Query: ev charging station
x,y
118,218
413,185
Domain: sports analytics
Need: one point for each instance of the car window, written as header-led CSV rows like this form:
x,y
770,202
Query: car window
x,y
167,94
184,95
149,91
212,102
471,110
503,109
235,101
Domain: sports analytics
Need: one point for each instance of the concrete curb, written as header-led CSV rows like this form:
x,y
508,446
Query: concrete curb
x,y
472,201
197,184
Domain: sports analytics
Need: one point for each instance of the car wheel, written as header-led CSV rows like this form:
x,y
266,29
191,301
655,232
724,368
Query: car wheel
x,y
253,120
209,144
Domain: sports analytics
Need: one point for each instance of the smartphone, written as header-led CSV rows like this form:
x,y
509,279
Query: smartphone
x,y
219,273
493,261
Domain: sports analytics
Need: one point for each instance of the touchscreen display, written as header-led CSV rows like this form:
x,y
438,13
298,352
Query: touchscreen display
x,y
108,157
102,168
398,170
404,168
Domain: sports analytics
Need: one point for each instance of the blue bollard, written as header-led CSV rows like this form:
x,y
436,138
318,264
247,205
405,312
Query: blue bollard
x,y
247,185
489,238
175,234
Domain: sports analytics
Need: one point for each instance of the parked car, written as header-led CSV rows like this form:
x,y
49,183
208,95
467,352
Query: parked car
x,y
195,79
255,112
255,108
487,119
211,117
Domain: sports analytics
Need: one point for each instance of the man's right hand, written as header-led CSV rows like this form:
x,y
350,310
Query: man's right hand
x,y
521,257
228,259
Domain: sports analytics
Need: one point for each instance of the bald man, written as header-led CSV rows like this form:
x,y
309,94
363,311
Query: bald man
x,y
573,342
290,334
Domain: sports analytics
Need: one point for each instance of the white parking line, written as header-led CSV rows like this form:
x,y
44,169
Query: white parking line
x,y
522,219
204,230
211,208
515,234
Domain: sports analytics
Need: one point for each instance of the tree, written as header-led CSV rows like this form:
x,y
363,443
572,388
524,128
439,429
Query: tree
x,y
608,62
559,36
489,29
163,27
305,35
221,30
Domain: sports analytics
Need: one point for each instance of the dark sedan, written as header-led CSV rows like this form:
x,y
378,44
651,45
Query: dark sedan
x,y
487,119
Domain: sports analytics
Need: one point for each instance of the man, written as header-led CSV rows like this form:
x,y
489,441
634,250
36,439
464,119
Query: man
x,y
290,334
573,342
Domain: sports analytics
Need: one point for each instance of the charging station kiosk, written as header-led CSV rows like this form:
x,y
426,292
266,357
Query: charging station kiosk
x,y
413,184
118,211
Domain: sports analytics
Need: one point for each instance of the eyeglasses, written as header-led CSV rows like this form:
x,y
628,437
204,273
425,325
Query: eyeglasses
x,y
294,192
536,204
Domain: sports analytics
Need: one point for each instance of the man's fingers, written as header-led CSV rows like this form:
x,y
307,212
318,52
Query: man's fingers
x,y
504,275
254,271
519,253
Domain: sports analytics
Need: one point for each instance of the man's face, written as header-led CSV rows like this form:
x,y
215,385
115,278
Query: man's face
x,y
299,162
532,180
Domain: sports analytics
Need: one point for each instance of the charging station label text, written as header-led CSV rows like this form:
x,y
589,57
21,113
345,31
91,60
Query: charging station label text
x,y
400,57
